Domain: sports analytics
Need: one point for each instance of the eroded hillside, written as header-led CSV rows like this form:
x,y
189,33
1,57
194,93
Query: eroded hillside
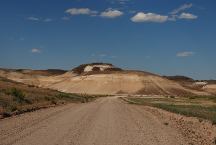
x,y
104,78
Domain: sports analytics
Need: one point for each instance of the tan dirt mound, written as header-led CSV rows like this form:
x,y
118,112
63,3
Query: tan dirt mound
x,y
211,88
99,78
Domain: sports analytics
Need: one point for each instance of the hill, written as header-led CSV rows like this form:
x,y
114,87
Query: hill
x,y
105,78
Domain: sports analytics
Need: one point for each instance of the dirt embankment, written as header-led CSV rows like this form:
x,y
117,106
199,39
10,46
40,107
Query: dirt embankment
x,y
17,98
105,79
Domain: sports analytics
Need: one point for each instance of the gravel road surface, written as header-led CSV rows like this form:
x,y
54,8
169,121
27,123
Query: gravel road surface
x,y
106,121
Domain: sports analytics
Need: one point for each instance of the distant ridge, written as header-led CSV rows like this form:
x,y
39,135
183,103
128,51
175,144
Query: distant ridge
x,y
179,78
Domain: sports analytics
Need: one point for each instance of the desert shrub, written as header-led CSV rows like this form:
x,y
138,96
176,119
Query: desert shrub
x,y
18,95
62,95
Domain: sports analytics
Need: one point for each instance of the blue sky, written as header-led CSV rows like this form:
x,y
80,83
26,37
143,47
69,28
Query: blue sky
x,y
166,37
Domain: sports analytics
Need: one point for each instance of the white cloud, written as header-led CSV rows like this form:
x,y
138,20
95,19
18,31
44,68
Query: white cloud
x,y
40,19
185,54
149,17
80,11
33,19
173,17
111,13
35,50
181,8
187,16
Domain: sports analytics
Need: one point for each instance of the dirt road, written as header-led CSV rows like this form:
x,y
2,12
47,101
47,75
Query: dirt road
x,y
106,121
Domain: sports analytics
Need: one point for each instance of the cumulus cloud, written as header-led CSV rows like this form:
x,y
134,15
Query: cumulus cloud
x,y
81,11
33,19
172,16
187,16
185,54
175,14
181,8
40,19
111,13
149,17
36,50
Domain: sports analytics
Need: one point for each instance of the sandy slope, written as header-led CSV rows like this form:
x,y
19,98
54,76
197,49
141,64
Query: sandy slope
x,y
114,83
210,88
107,121
124,82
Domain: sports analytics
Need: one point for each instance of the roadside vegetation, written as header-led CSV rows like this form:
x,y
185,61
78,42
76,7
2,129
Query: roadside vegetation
x,y
203,107
17,98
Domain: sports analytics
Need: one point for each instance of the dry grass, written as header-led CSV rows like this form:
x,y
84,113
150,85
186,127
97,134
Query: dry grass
x,y
17,98
197,106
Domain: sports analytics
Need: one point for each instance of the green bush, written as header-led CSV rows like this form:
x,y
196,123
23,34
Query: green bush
x,y
62,95
19,96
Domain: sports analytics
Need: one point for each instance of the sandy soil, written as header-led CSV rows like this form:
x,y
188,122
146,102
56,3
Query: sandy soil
x,y
210,88
116,83
123,82
106,121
